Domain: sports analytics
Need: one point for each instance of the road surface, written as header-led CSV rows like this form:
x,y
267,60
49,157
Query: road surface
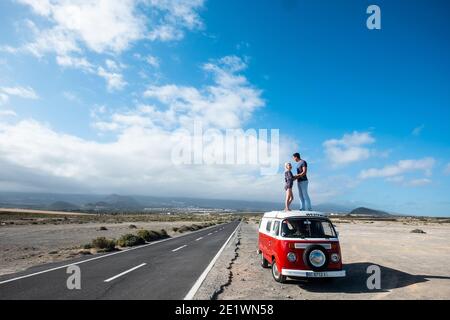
x,y
165,269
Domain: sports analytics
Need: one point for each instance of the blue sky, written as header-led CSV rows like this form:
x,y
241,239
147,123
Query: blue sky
x,y
91,93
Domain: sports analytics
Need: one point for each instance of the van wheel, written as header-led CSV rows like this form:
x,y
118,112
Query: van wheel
x,y
277,274
264,262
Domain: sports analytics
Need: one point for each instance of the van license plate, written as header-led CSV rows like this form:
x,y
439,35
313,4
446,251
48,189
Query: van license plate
x,y
316,274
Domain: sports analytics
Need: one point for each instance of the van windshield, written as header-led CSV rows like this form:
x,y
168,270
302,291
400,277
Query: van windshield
x,y
307,228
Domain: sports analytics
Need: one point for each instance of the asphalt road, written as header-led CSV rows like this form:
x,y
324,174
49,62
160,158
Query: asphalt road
x,y
159,270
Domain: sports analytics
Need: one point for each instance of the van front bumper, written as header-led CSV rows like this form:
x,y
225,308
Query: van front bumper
x,y
313,274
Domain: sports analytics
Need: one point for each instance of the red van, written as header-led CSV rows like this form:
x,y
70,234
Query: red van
x,y
299,244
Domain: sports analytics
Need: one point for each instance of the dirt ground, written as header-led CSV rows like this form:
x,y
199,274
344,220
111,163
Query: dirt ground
x,y
413,265
23,246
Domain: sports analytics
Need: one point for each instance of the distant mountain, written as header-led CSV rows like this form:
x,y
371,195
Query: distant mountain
x,y
362,211
139,203
115,202
62,206
122,201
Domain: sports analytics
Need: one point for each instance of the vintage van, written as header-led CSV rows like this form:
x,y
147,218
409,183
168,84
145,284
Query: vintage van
x,y
299,244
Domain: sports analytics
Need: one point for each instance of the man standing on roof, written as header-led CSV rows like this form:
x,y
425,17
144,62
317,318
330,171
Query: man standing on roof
x,y
302,182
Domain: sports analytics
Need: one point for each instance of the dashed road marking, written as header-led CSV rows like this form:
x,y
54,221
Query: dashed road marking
x,y
179,248
125,272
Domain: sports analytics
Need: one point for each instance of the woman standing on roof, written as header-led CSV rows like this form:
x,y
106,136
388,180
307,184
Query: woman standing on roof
x,y
289,182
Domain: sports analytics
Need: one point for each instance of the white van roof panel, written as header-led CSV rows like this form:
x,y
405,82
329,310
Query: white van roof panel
x,y
294,213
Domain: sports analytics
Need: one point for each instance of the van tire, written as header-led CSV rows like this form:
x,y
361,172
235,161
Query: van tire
x,y
276,274
308,263
264,262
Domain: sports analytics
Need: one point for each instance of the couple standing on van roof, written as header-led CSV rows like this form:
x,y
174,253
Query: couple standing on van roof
x,y
302,183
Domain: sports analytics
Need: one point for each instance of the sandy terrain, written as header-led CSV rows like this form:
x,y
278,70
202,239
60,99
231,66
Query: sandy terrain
x,y
25,243
413,266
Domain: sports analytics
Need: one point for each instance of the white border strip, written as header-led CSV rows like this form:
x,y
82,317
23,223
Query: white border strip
x,y
102,256
202,277
125,272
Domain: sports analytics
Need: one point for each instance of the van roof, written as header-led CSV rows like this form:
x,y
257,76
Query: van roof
x,y
294,213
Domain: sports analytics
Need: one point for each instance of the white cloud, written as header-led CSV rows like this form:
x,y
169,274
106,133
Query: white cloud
x,y
174,17
350,148
71,96
109,25
137,157
182,12
104,25
7,113
226,104
54,40
9,49
396,179
418,130
114,80
153,61
4,98
409,183
424,166
113,65
418,182
447,169
75,62
73,28
21,92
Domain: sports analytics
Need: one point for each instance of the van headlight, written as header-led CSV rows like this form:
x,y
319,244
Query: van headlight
x,y
335,257
292,257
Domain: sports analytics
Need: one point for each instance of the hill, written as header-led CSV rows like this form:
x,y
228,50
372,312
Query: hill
x,y
362,211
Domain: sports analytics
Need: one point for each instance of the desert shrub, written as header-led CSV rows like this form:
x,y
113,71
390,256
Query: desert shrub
x,y
103,244
184,229
151,235
132,226
102,229
144,234
163,233
193,227
87,246
418,231
175,229
130,240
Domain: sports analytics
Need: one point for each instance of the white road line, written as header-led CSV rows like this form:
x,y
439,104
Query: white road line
x,y
199,239
209,233
125,272
99,257
202,277
179,248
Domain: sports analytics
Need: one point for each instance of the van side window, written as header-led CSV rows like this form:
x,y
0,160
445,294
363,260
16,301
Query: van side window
x,y
276,227
327,229
268,225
